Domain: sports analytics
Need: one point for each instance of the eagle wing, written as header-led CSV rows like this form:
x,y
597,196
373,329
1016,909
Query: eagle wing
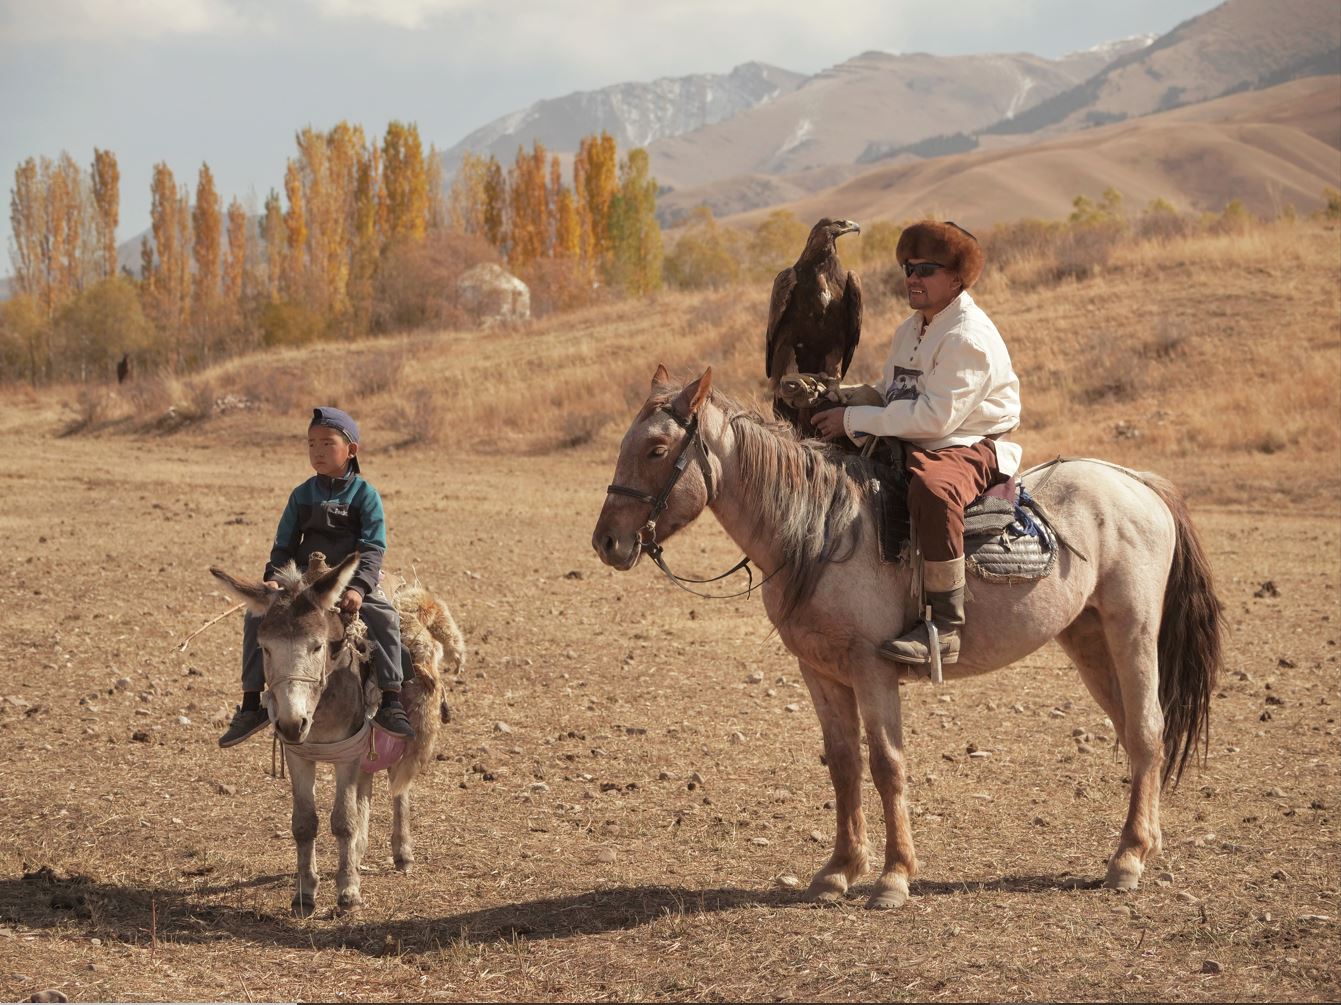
x,y
852,300
783,286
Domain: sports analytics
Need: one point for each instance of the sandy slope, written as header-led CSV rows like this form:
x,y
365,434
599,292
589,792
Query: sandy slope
x,y
1267,148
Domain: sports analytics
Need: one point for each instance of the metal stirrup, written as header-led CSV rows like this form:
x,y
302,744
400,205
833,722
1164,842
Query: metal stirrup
x,y
933,647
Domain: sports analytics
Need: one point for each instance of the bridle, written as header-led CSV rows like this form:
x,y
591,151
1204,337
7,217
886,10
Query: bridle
x,y
647,535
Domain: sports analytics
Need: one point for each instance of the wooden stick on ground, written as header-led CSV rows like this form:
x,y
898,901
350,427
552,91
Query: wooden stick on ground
x,y
181,648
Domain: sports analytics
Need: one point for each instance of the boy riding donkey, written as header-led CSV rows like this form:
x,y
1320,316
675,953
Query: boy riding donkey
x,y
336,512
951,396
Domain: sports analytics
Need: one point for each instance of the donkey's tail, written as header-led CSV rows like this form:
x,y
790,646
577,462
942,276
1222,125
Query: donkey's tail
x,y
1189,640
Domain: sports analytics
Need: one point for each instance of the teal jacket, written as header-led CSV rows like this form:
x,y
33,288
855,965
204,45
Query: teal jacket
x,y
335,516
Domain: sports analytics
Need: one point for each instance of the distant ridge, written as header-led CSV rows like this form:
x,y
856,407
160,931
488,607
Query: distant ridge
x,y
635,114
1240,45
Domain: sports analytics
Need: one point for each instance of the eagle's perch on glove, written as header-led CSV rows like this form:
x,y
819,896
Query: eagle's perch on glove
x,y
814,324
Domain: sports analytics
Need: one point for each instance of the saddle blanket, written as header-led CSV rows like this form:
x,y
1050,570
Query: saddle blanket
x,y
1006,538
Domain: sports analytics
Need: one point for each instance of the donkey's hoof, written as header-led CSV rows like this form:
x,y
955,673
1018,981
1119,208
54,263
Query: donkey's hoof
x,y
349,900
404,864
889,895
303,907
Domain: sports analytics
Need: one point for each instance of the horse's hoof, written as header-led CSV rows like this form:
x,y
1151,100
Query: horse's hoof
x,y
828,889
1123,876
1122,880
349,901
886,898
404,864
303,907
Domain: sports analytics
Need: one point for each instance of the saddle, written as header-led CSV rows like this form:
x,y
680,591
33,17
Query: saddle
x,y
1007,539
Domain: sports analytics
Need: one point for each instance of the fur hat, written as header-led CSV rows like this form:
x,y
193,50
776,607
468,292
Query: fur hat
x,y
947,243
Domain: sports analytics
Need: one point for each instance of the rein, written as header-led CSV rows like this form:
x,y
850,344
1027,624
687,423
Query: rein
x,y
647,536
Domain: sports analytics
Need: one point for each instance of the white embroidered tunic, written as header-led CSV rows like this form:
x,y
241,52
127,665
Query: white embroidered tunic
x,y
950,385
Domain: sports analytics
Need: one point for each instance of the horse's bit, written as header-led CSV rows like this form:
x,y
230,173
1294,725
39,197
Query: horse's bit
x,y
647,536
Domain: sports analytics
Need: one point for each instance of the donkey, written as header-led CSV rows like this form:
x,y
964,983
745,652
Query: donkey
x,y
314,677
1137,615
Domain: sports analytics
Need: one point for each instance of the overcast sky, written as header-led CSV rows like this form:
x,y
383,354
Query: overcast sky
x,y
230,81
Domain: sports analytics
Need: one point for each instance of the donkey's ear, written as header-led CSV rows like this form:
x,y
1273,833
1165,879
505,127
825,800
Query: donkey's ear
x,y
694,395
661,378
326,588
257,596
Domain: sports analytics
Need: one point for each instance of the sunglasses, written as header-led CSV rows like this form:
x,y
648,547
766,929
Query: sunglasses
x,y
922,269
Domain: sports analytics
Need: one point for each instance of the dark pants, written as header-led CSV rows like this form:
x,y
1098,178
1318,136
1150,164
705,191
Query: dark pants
x,y
942,483
383,633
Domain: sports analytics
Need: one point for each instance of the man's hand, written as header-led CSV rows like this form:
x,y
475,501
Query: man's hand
x,y
829,423
351,601
272,585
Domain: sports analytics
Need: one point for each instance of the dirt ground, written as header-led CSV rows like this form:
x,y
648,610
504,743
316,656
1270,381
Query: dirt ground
x,y
566,848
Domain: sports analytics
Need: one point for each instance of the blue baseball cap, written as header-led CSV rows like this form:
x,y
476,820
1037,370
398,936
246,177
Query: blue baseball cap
x,y
336,419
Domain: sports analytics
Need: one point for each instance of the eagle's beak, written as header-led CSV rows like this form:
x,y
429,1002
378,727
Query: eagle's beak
x,y
851,227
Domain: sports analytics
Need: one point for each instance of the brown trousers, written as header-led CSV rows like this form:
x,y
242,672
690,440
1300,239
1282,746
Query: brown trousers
x,y
943,483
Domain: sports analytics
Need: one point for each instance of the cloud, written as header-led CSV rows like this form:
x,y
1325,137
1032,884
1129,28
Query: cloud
x,y
49,20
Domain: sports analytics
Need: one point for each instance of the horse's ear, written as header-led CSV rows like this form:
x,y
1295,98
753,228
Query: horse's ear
x,y
661,378
326,588
257,596
694,395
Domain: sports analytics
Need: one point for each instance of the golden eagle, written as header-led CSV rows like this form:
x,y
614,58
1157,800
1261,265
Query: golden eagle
x,y
814,322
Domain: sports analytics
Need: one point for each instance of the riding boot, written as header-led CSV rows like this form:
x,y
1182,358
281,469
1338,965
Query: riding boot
x,y
944,583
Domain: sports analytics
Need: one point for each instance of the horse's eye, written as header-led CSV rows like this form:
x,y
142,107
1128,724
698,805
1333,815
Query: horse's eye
x,y
316,647
658,451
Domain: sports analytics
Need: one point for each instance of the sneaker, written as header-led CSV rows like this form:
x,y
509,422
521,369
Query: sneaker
x,y
245,723
393,719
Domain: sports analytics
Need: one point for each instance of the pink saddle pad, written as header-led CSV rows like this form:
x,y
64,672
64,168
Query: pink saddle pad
x,y
384,750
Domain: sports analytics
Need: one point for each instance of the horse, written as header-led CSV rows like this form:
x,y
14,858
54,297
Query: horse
x,y
1130,600
317,695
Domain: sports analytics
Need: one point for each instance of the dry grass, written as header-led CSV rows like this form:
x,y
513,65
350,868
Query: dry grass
x,y
1208,354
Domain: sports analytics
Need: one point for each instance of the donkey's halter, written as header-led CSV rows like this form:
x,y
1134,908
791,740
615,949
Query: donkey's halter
x,y
647,536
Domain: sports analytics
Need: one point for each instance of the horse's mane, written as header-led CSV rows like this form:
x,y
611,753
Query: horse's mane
x,y
808,492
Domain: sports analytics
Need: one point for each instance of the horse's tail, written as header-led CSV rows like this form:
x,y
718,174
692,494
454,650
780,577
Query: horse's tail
x,y
1189,640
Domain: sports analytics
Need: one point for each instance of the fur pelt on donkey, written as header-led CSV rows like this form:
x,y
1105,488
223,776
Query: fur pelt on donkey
x,y
319,696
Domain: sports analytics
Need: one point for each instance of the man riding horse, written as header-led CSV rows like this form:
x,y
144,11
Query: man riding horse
x,y
951,396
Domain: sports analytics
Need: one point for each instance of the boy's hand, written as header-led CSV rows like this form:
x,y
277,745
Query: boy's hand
x,y
271,584
351,601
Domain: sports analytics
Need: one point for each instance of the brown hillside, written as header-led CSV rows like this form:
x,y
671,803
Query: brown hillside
x,y
1242,44
1268,148
870,103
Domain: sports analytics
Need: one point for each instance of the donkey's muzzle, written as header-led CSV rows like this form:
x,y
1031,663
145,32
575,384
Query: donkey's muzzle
x,y
293,730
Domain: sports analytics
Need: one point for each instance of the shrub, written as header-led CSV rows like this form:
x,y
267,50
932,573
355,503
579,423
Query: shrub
x,y
706,255
416,281
1331,204
286,324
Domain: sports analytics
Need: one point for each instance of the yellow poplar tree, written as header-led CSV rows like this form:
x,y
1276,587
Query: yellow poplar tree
x,y
635,237
529,207
207,247
237,262
273,235
405,182
599,181
494,214
295,235
466,199
107,209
